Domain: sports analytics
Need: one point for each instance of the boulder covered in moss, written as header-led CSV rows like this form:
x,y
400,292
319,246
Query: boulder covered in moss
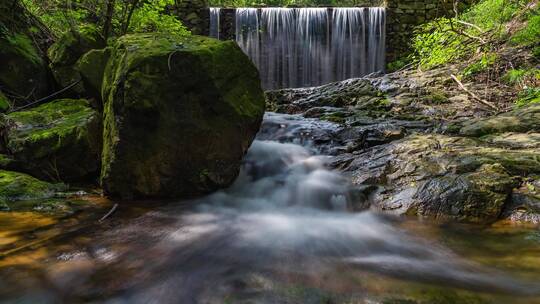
x,y
91,66
65,53
15,186
179,114
23,69
57,141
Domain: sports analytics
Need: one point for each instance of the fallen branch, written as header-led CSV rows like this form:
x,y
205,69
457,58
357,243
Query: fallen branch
x,y
474,96
108,213
37,102
471,25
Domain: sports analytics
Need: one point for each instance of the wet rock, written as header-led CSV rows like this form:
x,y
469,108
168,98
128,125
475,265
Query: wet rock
x,y
65,53
59,140
179,115
524,205
522,120
440,176
16,186
351,92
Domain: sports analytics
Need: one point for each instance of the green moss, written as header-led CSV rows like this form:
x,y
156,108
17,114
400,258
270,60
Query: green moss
x,y
23,71
16,186
91,67
524,119
73,44
59,139
22,45
155,83
5,104
64,53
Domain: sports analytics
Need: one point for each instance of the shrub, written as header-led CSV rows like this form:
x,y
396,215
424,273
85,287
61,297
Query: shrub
x,y
485,62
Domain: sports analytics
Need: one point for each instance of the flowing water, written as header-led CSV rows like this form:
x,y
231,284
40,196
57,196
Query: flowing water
x,y
214,22
281,234
302,47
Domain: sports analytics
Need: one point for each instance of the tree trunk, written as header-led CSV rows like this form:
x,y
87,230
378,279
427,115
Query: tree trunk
x,y
108,18
130,14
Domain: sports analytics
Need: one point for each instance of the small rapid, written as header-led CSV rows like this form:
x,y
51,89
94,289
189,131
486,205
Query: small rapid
x,y
285,221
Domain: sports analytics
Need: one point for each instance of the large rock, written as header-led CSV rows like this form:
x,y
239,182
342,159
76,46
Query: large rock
x,y
59,140
179,115
65,53
440,176
23,70
91,67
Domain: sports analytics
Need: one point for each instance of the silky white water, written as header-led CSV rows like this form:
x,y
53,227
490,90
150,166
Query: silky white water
x,y
284,224
302,47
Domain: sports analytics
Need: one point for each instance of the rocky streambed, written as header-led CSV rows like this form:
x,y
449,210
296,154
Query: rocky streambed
x,y
411,149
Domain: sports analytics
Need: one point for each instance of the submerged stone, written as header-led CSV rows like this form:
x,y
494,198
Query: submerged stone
x,y
59,140
179,114
15,186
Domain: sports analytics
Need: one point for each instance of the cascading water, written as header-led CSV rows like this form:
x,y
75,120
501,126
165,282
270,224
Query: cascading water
x,y
284,224
214,22
302,47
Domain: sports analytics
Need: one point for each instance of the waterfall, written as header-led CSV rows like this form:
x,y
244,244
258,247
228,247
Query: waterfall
x,y
214,22
302,47
247,33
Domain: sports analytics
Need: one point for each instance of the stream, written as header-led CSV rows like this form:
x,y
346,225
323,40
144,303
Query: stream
x,y
282,233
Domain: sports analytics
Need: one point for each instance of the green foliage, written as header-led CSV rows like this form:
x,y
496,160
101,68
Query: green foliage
x,y
491,15
151,17
397,64
522,76
54,14
129,16
514,76
447,40
485,62
530,34
285,3
528,96
435,44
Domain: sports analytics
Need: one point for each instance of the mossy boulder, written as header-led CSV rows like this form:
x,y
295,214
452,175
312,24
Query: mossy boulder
x,y
91,66
179,114
60,140
15,186
65,53
23,69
